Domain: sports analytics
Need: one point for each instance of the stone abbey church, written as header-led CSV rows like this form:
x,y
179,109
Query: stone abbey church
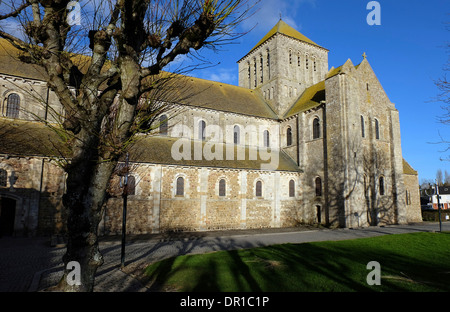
x,y
319,146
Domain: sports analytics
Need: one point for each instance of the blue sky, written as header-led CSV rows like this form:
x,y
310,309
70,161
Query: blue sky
x,y
407,52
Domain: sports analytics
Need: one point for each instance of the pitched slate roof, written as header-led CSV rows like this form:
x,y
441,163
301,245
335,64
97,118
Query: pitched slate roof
x,y
313,95
334,71
158,150
29,138
310,98
282,28
217,96
26,138
10,63
184,90
407,169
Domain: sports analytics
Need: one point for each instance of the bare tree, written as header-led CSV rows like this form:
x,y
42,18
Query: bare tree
x,y
443,86
100,74
439,177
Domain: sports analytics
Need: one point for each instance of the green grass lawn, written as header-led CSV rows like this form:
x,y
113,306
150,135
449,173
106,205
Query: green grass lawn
x,y
409,262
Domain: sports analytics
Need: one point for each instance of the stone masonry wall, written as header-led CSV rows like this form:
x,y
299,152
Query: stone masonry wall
x,y
37,186
412,198
37,101
201,207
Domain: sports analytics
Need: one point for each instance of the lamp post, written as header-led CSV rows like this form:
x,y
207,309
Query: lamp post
x,y
435,189
439,206
124,213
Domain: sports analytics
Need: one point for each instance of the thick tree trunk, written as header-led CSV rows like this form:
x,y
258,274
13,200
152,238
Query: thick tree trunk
x,y
88,178
89,173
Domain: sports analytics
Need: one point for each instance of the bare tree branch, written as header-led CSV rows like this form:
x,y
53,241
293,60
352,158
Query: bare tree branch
x,y
17,11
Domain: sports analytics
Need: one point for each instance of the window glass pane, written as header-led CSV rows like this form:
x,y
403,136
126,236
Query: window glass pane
x,y
180,186
13,106
363,132
222,187
236,135
201,133
316,128
258,188
163,125
289,137
291,188
318,186
382,190
266,138
377,129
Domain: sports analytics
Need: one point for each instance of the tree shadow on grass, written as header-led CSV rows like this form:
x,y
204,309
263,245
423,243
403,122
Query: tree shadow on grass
x,y
171,258
311,267
342,267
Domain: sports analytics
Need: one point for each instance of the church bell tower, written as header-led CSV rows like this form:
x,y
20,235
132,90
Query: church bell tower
x,y
282,65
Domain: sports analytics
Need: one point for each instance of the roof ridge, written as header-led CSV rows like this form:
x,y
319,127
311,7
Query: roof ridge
x,y
285,29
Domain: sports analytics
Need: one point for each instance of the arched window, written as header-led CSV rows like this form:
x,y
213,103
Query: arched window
x,y
316,128
3,177
131,185
291,188
299,59
261,68
268,63
201,130
318,183
180,186
249,75
236,134
13,105
382,189
254,71
222,187
258,189
377,129
163,125
363,131
289,136
408,197
266,138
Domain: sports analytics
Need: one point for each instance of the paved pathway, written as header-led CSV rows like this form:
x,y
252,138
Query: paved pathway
x,y
31,264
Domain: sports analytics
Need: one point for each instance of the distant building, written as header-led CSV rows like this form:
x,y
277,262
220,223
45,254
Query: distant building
x,y
334,133
444,199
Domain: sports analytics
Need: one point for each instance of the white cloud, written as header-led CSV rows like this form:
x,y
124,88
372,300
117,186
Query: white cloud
x,y
225,75
268,14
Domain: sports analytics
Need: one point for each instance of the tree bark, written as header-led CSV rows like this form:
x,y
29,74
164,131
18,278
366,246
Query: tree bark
x,y
88,178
